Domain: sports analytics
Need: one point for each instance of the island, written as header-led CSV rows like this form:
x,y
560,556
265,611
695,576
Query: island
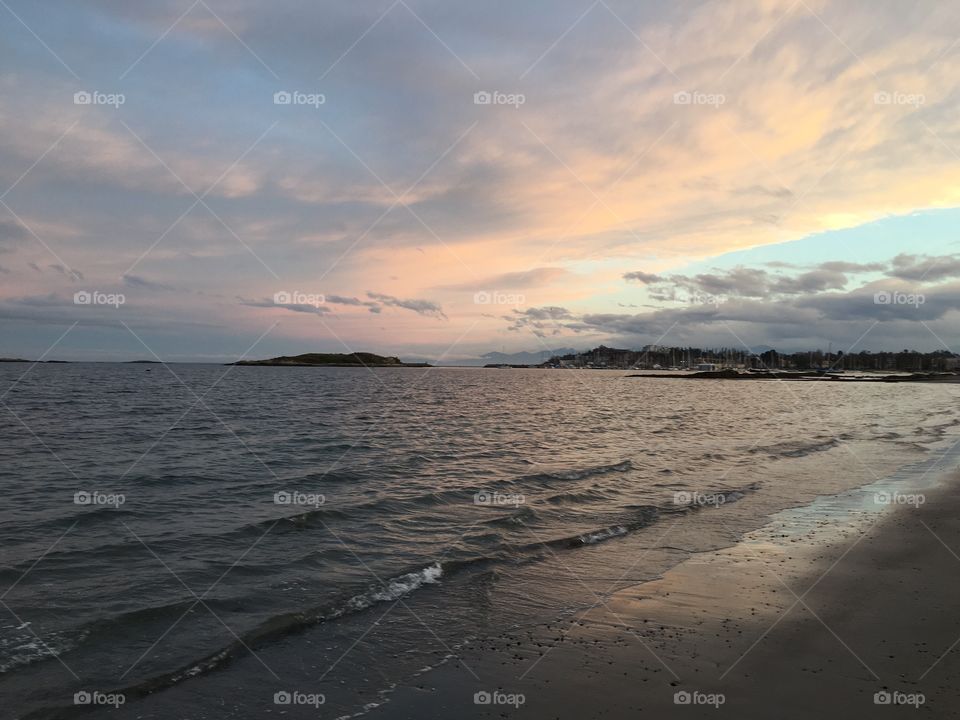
x,y
21,360
357,359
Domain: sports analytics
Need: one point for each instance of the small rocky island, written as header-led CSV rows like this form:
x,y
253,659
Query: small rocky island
x,y
357,359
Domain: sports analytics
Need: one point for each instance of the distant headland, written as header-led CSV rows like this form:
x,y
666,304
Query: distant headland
x,y
357,359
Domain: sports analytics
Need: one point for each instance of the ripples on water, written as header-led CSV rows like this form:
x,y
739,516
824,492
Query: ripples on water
x,y
466,502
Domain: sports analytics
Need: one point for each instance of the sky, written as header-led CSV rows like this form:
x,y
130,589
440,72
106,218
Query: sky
x,y
204,180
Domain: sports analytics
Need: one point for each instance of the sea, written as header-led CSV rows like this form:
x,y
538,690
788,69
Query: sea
x,y
206,541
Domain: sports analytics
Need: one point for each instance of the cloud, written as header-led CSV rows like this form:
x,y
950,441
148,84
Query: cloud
x,y
925,267
342,300
741,281
797,311
851,267
523,280
66,272
292,307
840,317
137,281
745,282
11,235
421,307
643,277
808,282
541,321
599,171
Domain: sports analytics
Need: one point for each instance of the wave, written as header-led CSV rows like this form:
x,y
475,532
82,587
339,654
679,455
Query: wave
x,y
568,498
796,449
23,646
601,535
399,586
270,630
579,473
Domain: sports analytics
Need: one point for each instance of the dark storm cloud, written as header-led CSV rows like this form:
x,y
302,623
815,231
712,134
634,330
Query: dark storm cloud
x,y
542,321
926,268
809,282
807,308
745,282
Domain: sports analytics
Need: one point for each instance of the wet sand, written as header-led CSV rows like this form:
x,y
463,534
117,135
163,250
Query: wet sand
x,y
811,615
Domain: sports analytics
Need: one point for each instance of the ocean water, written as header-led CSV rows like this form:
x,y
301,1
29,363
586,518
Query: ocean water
x,y
201,538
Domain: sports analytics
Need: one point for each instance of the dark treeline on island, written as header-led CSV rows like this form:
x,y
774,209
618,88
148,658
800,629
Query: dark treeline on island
x,y
357,359
655,357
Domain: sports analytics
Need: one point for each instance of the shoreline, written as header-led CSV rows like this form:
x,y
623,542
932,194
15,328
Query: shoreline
x,y
819,610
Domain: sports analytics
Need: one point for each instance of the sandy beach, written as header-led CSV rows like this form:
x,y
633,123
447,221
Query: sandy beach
x,y
814,614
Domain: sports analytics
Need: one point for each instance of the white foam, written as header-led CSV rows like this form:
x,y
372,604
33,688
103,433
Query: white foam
x,y
601,535
397,587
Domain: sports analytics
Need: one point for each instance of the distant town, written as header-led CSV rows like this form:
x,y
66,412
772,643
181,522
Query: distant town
x,y
659,357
